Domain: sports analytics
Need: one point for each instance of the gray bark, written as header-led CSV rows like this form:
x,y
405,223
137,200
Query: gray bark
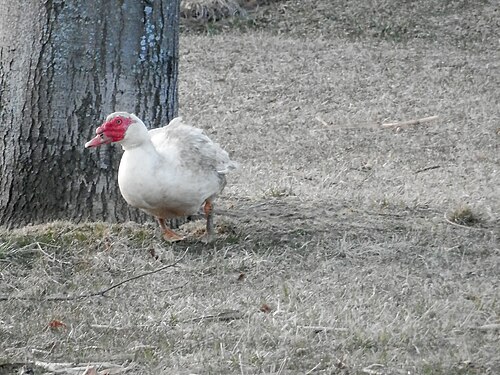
x,y
64,66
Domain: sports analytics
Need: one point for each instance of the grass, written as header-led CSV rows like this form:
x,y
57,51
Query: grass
x,y
334,254
459,22
210,11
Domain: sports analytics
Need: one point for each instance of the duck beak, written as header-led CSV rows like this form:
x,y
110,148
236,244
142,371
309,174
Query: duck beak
x,y
98,140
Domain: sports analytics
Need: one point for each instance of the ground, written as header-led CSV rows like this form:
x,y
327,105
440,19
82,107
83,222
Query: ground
x,y
343,247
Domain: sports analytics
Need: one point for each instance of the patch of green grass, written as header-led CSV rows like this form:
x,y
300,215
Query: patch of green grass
x,y
4,248
279,192
433,369
146,354
361,341
56,234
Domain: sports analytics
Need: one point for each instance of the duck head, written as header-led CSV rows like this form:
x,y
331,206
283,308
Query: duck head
x,y
116,128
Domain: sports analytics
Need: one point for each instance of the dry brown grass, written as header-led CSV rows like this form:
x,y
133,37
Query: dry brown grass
x,y
210,10
218,15
464,215
203,9
334,255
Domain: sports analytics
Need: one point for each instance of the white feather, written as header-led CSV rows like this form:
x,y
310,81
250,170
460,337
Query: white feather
x,y
170,171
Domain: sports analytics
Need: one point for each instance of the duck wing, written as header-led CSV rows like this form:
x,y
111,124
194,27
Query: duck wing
x,y
195,150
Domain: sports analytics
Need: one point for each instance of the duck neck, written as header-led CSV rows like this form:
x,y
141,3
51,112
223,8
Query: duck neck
x,y
137,135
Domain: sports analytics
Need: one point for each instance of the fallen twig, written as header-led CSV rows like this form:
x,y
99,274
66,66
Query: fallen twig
x,y
142,347
318,329
90,371
369,370
103,291
409,123
312,370
427,169
222,316
114,286
460,225
37,247
78,368
105,326
488,327
319,119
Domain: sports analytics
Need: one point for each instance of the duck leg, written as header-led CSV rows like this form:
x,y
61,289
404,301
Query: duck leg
x,y
168,233
208,208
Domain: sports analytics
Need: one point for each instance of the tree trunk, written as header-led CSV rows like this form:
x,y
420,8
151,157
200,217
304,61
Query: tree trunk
x,y
64,66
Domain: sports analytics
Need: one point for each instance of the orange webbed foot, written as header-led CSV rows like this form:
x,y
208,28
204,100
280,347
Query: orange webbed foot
x,y
169,234
208,208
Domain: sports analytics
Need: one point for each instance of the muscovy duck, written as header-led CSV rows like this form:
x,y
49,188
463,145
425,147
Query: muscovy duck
x,y
167,172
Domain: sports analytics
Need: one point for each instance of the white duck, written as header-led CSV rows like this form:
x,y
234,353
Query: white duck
x,y
167,172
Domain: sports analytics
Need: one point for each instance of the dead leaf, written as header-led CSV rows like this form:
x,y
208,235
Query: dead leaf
x,y
56,324
265,308
340,365
152,252
26,370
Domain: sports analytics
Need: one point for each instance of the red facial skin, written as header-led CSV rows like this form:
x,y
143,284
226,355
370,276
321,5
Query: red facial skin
x,y
109,132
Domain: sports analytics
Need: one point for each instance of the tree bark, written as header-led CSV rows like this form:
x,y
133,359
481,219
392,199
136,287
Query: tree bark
x,y
64,66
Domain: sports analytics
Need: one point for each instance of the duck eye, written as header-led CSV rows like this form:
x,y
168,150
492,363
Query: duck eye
x,y
118,121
